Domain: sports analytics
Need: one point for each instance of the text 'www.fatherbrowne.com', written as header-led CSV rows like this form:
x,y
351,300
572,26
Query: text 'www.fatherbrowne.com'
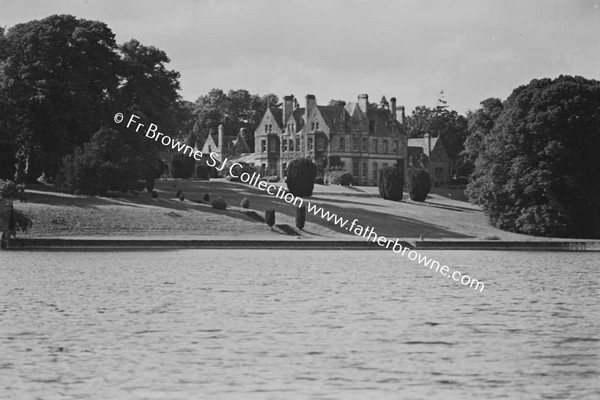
x,y
151,132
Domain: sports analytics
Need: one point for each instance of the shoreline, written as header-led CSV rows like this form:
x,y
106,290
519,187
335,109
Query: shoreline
x,y
153,243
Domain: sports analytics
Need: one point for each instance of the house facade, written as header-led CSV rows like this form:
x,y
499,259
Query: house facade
x,y
430,152
357,137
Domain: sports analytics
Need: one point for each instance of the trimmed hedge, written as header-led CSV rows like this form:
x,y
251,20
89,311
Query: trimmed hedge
x,y
301,174
420,184
219,203
343,178
391,183
300,217
270,217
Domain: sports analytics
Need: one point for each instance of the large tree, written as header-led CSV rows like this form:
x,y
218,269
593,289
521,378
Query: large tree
x,y
538,170
479,124
439,121
57,77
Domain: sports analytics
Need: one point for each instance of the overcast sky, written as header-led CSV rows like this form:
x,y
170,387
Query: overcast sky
x,y
412,50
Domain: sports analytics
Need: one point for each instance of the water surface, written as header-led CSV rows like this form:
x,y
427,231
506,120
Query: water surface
x,y
243,324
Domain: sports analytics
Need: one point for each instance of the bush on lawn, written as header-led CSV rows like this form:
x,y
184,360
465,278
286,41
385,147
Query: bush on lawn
x,y
343,178
420,184
245,203
219,203
391,183
300,217
301,174
270,217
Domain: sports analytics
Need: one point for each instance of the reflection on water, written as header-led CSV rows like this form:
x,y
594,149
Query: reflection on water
x,y
297,324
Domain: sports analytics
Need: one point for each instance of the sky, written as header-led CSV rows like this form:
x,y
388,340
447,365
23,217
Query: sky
x,y
337,49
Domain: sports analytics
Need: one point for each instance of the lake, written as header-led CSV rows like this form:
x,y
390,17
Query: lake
x,y
281,324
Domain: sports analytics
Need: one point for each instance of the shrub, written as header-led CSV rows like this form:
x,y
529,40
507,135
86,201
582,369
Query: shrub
x,y
301,174
420,184
182,166
245,203
300,217
154,195
109,161
270,217
219,203
343,178
206,197
391,183
18,222
180,196
319,180
12,191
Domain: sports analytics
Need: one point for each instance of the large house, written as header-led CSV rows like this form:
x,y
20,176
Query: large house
x,y
358,137
430,153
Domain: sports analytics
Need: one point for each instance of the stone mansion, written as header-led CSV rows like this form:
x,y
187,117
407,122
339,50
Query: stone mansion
x,y
358,137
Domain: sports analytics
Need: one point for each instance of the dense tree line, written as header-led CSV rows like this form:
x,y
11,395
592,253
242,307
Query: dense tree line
x,y
537,169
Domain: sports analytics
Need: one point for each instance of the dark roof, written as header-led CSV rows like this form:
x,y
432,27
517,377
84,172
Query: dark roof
x,y
297,114
278,115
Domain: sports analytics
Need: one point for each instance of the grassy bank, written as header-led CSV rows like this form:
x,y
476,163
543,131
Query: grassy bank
x,y
56,214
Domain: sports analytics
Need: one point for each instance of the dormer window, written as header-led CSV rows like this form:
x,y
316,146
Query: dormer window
x,y
316,125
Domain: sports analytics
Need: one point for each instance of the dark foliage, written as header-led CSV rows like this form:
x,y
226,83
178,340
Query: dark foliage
x,y
391,183
206,197
182,166
110,161
270,217
12,191
338,177
219,203
18,222
245,203
300,217
154,195
419,184
301,174
538,170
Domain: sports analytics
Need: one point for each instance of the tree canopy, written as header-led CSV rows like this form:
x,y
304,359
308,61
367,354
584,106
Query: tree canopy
x,y
63,78
537,170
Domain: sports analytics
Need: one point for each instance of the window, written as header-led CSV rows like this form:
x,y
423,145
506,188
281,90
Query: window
x,y
355,168
311,146
371,127
285,145
291,144
263,168
354,143
266,128
384,150
365,144
320,144
298,144
365,170
316,125
342,144
273,148
209,148
263,145
375,172
284,167
312,126
395,148
375,145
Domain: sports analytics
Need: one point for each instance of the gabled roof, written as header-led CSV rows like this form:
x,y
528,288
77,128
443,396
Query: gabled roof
x,y
278,115
422,143
331,115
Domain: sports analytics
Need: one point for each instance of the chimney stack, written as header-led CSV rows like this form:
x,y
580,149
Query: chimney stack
x,y
402,115
311,102
393,107
221,139
363,102
288,105
427,138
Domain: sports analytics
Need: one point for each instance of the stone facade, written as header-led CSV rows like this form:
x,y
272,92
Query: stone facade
x,y
355,136
436,159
